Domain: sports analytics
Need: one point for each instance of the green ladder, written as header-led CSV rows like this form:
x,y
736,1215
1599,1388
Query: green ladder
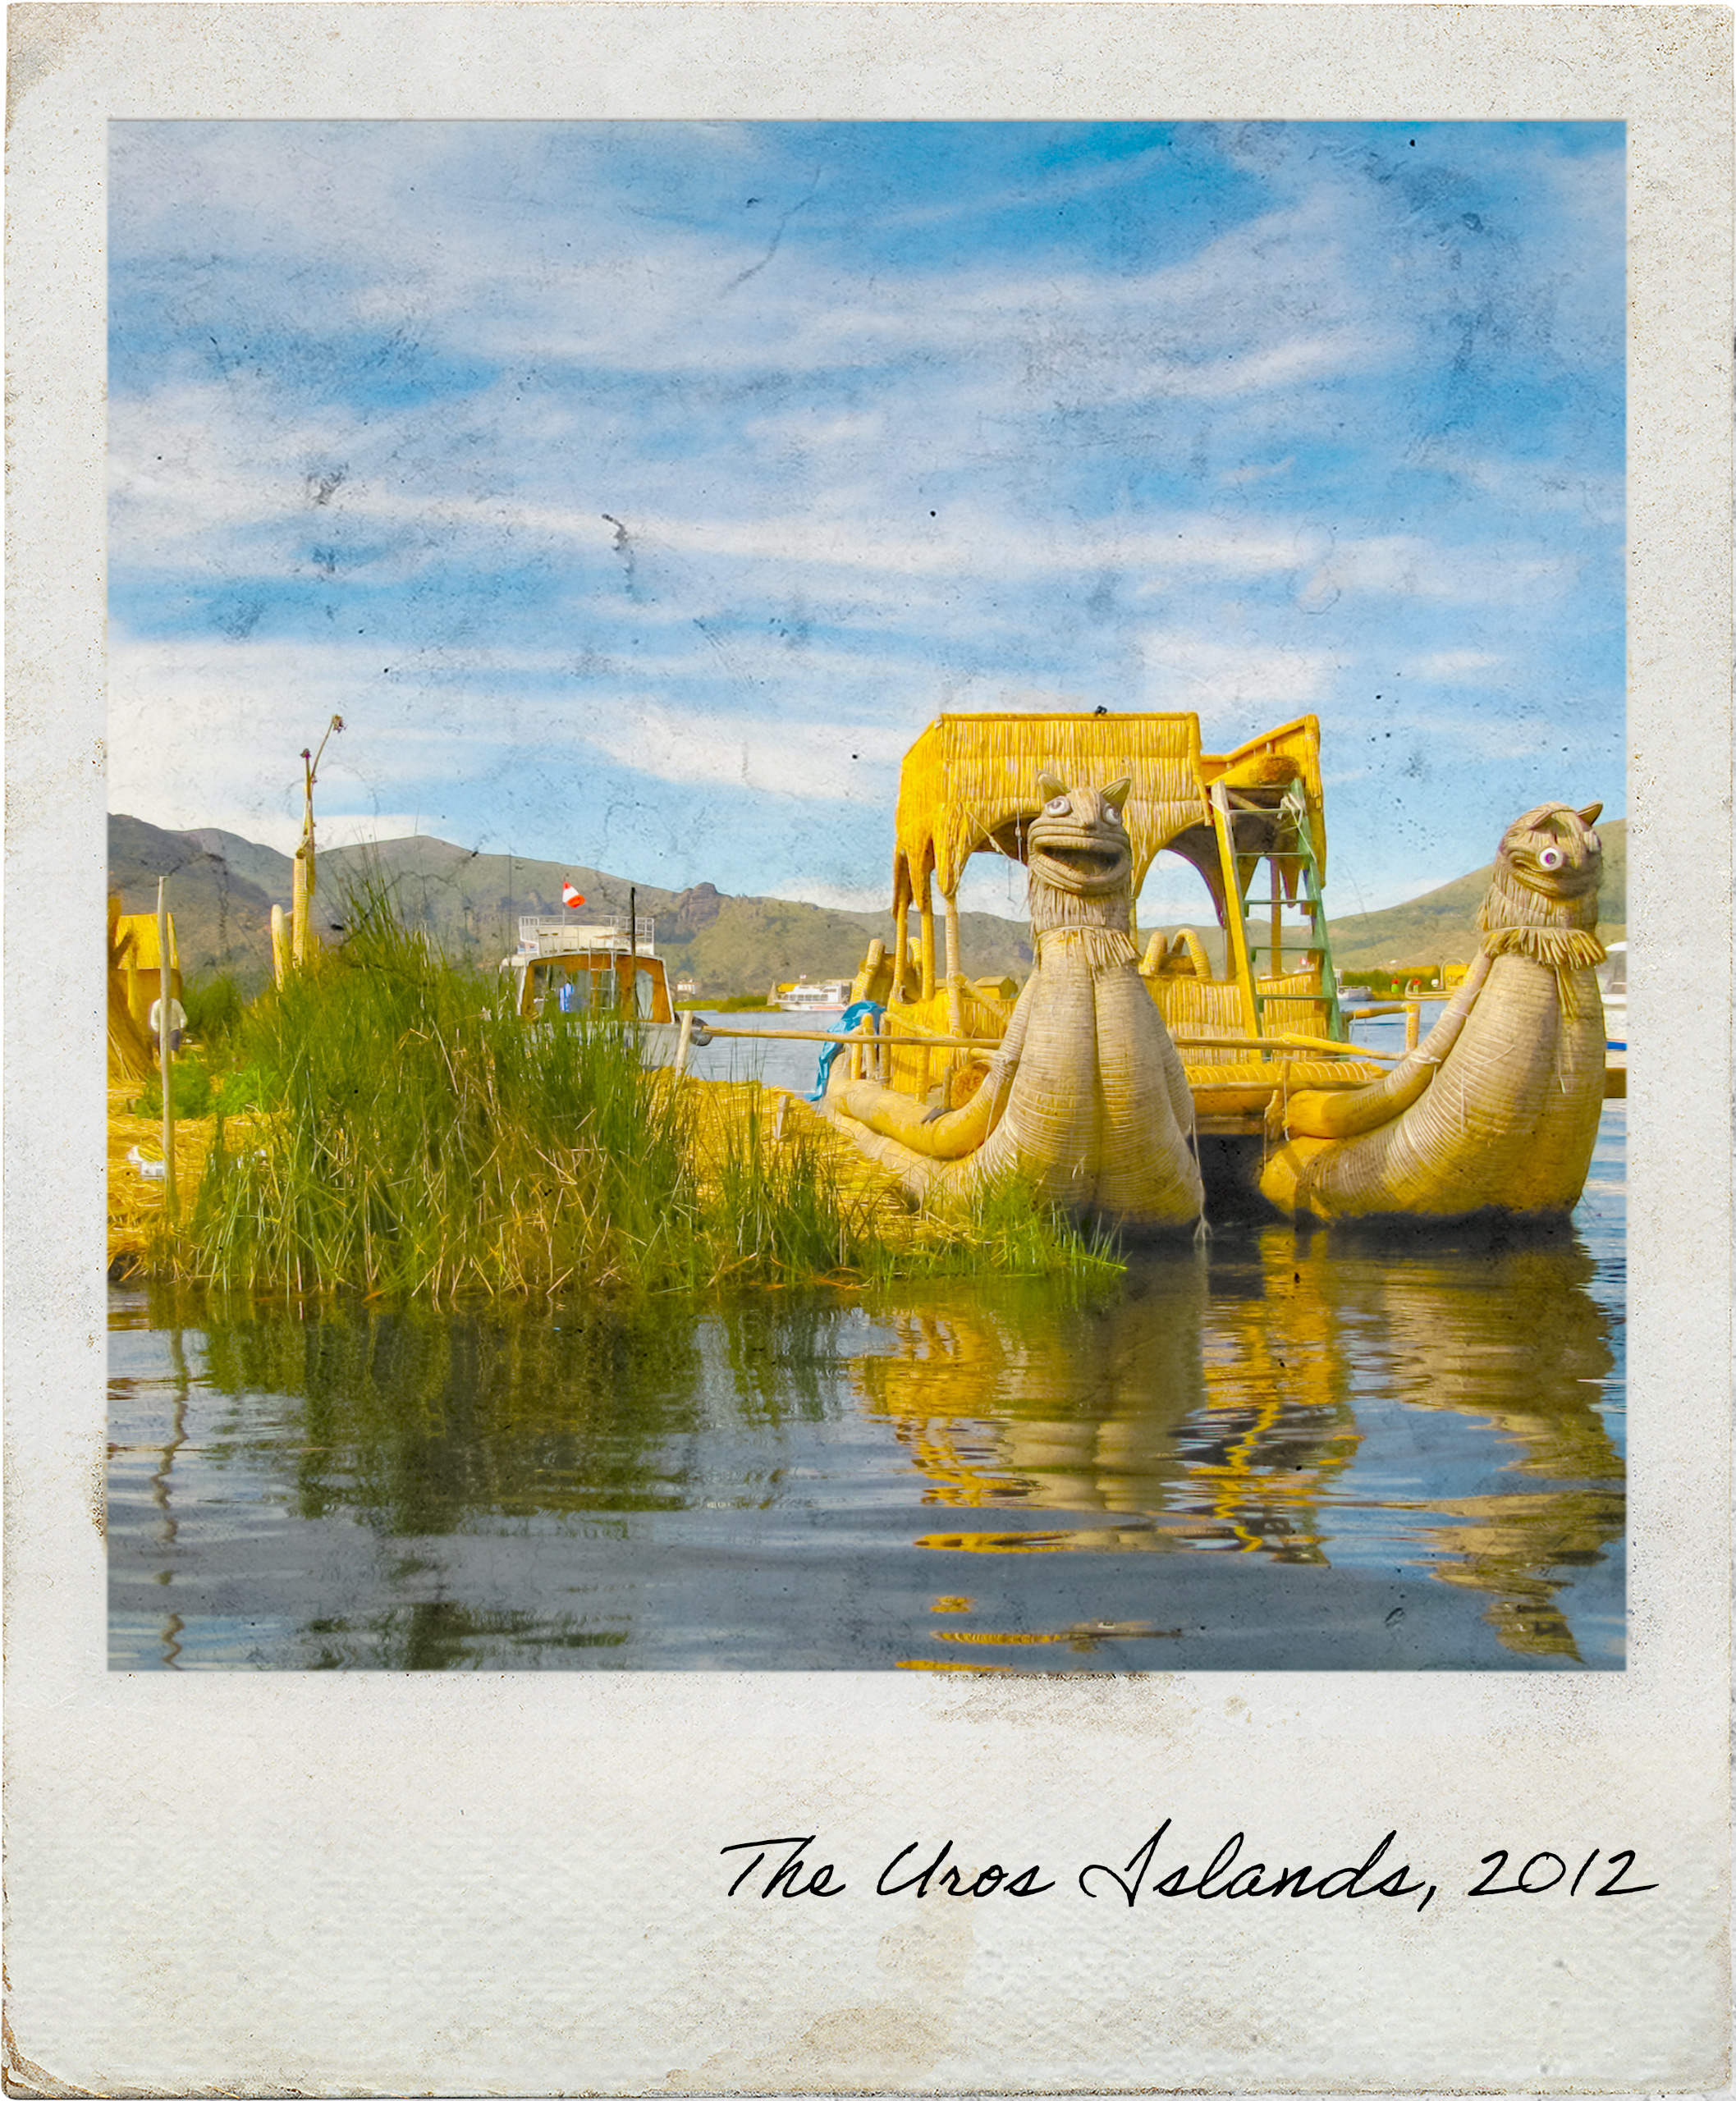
x,y
1294,807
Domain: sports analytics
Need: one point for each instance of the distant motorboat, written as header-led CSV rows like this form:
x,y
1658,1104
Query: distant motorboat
x,y
830,997
1612,985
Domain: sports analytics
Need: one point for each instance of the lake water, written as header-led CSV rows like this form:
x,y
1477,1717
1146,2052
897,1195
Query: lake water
x,y
1286,1451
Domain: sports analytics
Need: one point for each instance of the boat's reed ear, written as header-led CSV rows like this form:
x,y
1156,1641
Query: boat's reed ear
x,y
1116,794
1591,814
1048,787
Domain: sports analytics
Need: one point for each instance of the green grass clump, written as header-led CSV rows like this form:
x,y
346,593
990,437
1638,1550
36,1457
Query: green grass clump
x,y
190,1089
213,1007
776,1211
418,1139
1005,1230
407,1136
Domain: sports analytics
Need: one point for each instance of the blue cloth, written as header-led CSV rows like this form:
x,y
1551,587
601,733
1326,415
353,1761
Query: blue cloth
x,y
852,1014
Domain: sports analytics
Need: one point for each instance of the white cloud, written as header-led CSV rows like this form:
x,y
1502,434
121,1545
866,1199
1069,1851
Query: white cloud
x,y
210,732
1199,675
1237,477
822,762
1455,668
1531,485
1407,566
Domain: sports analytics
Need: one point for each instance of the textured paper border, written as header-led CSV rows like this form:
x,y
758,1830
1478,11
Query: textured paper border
x,y
399,1884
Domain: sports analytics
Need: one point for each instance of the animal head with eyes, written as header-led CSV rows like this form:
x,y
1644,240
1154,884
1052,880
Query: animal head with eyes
x,y
1077,841
1548,868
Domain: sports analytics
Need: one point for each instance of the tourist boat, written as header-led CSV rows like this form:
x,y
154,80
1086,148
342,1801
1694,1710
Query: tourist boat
x,y
1145,1079
564,966
831,997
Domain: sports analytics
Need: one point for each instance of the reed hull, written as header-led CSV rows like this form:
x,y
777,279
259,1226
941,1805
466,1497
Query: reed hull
x,y
1097,1118
1507,1125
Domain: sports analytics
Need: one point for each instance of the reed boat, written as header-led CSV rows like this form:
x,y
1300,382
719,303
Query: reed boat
x,y
1140,1081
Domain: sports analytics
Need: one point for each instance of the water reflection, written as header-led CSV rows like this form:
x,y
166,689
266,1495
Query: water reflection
x,y
1219,1407
1285,1451
420,1421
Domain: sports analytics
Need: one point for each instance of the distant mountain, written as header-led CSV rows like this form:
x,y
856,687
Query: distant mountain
x,y
468,903
263,866
223,919
1441,926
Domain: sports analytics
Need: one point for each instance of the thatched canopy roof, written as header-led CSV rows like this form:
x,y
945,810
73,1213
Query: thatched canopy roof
x,y
132,939
970,784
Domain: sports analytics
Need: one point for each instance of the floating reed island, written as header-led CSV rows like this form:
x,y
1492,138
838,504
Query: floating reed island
x,y
389,1124
1142,1091
393,1124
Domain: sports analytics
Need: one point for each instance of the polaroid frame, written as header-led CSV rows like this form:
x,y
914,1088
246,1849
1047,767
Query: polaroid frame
x,y
397,1883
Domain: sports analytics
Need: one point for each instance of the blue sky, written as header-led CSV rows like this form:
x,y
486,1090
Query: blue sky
x,y
637,491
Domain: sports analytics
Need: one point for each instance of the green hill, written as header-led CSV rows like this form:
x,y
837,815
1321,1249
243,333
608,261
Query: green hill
x,y
468,903
1441,926
223,916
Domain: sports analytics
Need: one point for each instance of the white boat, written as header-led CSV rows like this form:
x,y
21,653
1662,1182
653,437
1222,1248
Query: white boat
x,y
568,966
830,997
1612,982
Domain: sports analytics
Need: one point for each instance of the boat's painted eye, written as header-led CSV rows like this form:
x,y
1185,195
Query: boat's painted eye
x,y
1058,807
1550,858
1594,842
1111,815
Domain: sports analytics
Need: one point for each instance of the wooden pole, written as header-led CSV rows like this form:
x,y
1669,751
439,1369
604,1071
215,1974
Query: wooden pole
x,y
955,967
301,894
898,946
1277,960
631,1002
1235,928
684,1041
866,1034
165,995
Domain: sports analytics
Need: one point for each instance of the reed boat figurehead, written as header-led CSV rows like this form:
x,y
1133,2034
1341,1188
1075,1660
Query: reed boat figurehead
x,y
1497,1111
1086,1099
1547,872
1079,859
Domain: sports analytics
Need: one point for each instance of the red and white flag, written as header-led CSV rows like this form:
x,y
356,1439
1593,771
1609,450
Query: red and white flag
x,y
569,897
